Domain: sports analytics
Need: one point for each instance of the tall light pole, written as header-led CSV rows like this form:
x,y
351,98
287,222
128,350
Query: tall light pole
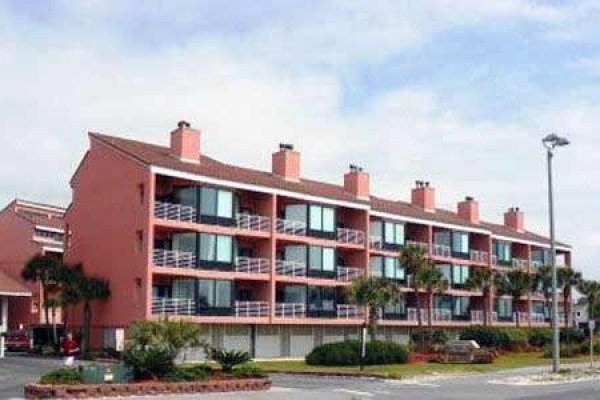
x,y
551,142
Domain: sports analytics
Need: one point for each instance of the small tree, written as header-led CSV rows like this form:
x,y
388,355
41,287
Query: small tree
x,y
415,259
515,283
568,278
374,293
591,290
481,279
45,270
433,280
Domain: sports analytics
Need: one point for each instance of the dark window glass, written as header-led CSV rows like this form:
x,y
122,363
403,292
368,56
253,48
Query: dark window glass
x,y
460,242
442,238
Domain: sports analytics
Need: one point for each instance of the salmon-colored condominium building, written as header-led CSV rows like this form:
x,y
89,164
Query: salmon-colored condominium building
x,y
262,258
28,229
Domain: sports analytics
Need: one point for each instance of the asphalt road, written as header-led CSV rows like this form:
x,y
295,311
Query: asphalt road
x,y
16,371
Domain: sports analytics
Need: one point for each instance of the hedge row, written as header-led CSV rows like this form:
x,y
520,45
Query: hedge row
x,y
516,338
348,353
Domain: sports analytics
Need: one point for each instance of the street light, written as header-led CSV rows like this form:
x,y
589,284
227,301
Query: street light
x,y
551,142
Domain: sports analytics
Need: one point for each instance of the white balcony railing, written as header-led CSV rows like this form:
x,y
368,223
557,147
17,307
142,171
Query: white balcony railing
x,y
478,256
536,264
349,311
290,310
538,318
477,316
441,250
519,263
376,242
494,259
411,314
348,274
251,265
164,306
174,212
351,236
291,227
253,222
174,258
441,314
417,244
290,268
251,309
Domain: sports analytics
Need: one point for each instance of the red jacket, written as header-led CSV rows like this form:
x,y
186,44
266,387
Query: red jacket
x,y
70,347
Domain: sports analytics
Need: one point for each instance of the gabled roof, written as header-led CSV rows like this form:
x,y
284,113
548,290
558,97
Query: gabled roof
x,y
160,156
38,214
11,287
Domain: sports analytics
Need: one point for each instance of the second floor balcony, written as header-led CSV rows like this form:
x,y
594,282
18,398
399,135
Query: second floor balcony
x,y
520,263
441,250
481,257
301,310
187,307
185,259
299,270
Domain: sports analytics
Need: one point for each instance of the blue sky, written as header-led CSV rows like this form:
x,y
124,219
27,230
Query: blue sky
x,y
455,92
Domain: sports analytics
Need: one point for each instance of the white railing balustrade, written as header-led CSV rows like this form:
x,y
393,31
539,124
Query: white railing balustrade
x,y
291,227
441,314
376,242
250,309
494,259
349,311
479,256
253,222
351,236
417,244
519,263
290,268
290,310
411,314
166,306
441,250
536,264
174,258
477,316
348,274
174,212
251,265
523,317
538,318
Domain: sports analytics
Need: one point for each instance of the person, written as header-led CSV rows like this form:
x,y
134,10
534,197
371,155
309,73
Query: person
x,y
69,349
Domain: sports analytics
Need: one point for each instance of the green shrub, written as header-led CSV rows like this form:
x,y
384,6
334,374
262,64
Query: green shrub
x,y
540,337
148,362
485,336
48,350
63,376
572,336
425,339
515,338
249,371
188,374
348,353
228,359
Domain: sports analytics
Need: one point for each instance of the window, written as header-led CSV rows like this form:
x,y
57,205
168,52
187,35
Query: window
x,y
183,289
296,212
216,249
388,267
376,229
397,309
321,301
460,274
292,294
502,251
442,238
461,307
504,309
460,243
321,219
187,196
295,254
184,242
443,303
376,266
215,296
321,259
216,203
446,271
393,234
456,307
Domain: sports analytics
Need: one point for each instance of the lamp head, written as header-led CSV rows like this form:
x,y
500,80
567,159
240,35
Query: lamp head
x,y
553,140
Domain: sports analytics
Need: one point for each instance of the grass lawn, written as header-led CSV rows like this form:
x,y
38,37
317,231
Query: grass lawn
x,y
510,360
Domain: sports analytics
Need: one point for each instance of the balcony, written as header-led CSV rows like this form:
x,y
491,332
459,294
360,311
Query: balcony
x,y
174,212
350,236
251,265
376,242
174,258
347,274
251,309
251,222
291,227
519,263
478,256
441,250
173,307
477,316
349,311
290,310
290,268
536,264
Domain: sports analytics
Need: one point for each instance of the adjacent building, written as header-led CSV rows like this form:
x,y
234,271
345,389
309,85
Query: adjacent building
x,y
27,229
262,258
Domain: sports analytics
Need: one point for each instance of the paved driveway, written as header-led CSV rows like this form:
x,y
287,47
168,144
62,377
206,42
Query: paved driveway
x,y
16,371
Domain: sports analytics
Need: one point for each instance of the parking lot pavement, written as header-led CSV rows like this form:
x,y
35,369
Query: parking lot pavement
x,y
16,371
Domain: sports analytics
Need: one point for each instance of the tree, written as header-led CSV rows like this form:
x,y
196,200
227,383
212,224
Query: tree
x,y
173,336
374,293
591,290
45,270
481,279
515,283
568,278
415,259
433,280
542,281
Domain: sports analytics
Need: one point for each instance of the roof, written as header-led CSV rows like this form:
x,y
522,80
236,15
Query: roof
x,y
11,287
40,214
160,156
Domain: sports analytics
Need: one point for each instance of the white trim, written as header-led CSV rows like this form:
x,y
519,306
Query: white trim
x,y
49,229
529,242
16,294
398,217
256,188
53,249
40,207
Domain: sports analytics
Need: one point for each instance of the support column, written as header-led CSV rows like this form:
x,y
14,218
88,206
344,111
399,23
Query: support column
x,y
3,322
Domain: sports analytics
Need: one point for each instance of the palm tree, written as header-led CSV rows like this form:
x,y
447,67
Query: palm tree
x,y
433,280
542,281
481,279
515,283
568,278
374,293
591,290
415,259
45,270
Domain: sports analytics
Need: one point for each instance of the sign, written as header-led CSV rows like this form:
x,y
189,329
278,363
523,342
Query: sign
x,y
460,350
592,324
119,339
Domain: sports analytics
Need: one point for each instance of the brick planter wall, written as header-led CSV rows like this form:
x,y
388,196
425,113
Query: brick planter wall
x,y
39,391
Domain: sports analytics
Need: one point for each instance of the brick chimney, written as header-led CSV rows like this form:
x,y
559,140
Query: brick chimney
x,y
423,196
286,162
185,143
356,181
468,209
514,219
